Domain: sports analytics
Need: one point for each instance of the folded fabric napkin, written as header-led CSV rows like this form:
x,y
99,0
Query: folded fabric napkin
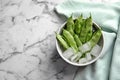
x,y
107,16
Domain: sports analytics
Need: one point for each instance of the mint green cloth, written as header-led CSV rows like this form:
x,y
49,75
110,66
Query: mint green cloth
x,y
107,16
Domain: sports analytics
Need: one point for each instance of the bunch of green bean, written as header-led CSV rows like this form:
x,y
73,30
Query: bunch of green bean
x,y
77,32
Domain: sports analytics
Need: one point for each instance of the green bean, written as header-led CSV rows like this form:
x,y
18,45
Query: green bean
x,y
78,25
95,38
79,43
86,32
62,41
70,40
89,36
70,25
89,28
83,32
80,17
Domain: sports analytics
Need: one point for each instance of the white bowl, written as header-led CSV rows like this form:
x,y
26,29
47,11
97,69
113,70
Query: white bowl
x,y
60,49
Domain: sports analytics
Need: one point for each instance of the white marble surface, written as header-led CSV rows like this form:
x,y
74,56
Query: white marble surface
x,y
27,41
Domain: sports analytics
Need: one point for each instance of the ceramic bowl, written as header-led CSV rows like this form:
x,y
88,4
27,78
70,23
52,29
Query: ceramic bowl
x,y
60,49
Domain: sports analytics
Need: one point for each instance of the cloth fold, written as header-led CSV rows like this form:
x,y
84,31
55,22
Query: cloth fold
x,y
107,16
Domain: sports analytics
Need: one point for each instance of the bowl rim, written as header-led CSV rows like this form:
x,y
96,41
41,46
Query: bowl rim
x,y
76,64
